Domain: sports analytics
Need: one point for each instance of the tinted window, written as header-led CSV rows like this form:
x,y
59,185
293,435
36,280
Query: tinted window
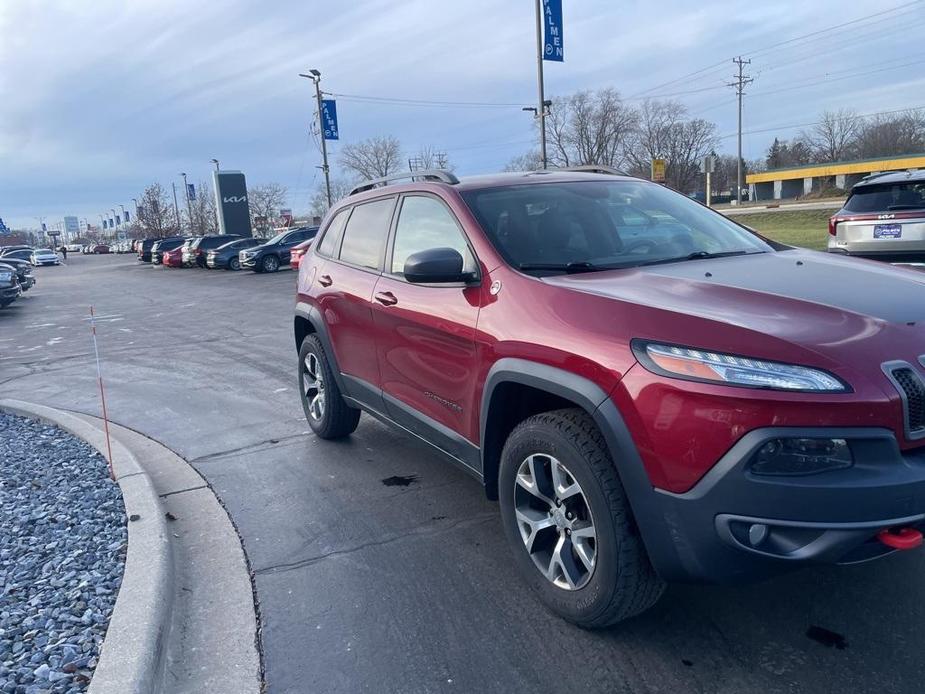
x,y
592,225
886,196
331,238
366,233
425,223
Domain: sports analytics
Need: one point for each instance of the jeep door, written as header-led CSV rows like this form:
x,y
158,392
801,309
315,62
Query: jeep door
x,y
425,334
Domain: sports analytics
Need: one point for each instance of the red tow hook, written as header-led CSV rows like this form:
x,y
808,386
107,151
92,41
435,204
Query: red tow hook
x,y
900,538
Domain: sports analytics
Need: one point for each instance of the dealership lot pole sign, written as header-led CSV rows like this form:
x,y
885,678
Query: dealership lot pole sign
x,y
553,48
329,118
234,215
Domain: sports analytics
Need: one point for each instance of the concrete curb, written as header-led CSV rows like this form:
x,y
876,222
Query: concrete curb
x,y
132,655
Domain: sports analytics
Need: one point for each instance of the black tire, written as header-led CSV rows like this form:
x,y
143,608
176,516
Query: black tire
x,y
337,419
622,582
270,263
234,264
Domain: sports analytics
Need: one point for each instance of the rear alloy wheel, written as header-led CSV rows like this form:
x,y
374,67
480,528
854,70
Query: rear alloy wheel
x,y
270,263
568,522
328,414
234,264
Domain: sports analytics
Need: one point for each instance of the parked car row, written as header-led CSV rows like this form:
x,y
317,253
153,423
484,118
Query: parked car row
x,y
35,256
227,251
16,274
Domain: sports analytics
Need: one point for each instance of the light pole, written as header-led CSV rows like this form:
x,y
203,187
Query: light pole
x,y
315,76
214,161
189,206
176,207
541,103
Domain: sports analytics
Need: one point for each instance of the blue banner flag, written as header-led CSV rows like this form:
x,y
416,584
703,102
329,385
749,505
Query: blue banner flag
x,y
126,215
44,228
329,118
552,44
118,221
105,226
192,191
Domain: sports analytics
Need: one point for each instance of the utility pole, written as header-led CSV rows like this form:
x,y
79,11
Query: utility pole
x,y
740,81
541,109
315,76
176,207
189,207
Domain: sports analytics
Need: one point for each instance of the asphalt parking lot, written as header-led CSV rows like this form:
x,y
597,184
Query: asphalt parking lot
x,y
379,567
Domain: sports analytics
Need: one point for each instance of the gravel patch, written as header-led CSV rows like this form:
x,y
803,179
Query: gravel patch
x,y
62,553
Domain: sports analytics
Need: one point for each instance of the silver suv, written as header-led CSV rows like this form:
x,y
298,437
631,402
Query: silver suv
x,y
883,217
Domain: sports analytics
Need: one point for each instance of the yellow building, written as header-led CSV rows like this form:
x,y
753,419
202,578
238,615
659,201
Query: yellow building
x,y
796,181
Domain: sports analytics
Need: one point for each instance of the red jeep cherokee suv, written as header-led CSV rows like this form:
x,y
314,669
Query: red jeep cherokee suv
x,y
652,392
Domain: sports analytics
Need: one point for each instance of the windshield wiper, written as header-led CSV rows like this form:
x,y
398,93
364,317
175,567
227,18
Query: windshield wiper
x,y
561,267
698,255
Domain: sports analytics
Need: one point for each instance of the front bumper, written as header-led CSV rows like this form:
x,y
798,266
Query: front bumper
x,y
8,294
248,261
736,526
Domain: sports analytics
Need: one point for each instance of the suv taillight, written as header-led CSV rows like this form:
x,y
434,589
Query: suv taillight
x,y
833,223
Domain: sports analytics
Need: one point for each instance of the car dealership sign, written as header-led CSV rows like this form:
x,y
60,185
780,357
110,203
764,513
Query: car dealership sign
x,y
234,215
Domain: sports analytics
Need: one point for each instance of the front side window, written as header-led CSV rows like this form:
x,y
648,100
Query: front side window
x,y
366,233
426,223
583,226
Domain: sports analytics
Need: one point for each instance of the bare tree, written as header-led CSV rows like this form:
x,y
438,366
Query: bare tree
x,y
834,137
266,200
589,128
531,161
158,218
893,134
203,209
372,158
665,132
339,189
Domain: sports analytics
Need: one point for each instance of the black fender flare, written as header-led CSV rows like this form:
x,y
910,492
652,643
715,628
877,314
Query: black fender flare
x,y
643,499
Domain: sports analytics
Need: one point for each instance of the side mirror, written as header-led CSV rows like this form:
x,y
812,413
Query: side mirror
x,y
435,265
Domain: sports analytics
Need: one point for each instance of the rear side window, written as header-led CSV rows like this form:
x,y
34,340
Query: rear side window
x,y
366,233
887,197
331,239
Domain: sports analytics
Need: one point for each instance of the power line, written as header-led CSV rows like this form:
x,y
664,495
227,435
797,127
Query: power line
x,y
804,125
827,30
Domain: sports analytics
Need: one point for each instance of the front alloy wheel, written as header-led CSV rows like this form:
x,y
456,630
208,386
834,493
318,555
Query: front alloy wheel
x,y
234,264
555,522
568,521
270,263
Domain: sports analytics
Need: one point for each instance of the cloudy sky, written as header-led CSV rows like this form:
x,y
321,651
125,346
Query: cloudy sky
x,y
99,98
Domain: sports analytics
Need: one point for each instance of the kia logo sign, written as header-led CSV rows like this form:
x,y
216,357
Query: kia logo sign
x,y
235,198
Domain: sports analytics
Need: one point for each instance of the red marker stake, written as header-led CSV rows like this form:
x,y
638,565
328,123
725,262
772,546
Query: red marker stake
x,y
99,376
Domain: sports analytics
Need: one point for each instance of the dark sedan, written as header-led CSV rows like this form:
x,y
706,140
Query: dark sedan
x,y
273,254
9,285
23,269
226,256
195,253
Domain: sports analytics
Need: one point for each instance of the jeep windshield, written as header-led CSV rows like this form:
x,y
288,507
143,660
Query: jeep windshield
x,y
886,197
586,226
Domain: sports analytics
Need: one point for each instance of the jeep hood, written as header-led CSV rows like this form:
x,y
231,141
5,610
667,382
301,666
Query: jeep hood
x,y
841,308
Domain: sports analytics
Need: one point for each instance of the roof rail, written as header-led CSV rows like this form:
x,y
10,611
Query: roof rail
x,y
427,175
592,168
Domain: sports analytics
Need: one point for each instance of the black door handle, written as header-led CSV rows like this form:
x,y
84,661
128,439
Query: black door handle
x,y
325,281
